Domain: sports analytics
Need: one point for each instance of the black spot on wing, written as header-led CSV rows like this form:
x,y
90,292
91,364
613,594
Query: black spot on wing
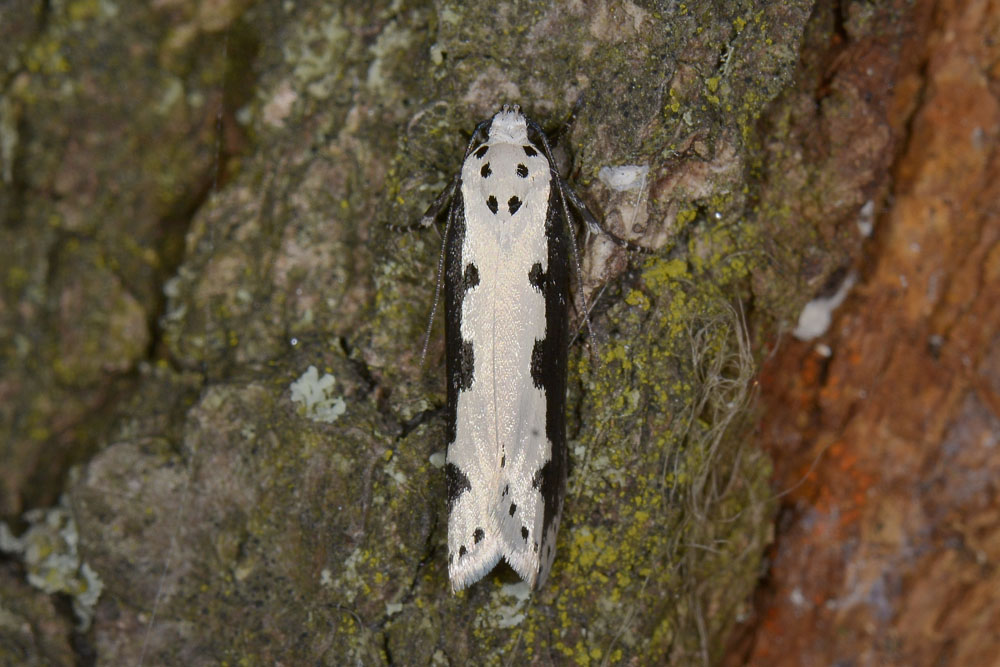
x,y
513,508
471,277
542,476
536,276
524,533
538,364
529,151
462,551
513,204
485,171
457,483
481,151
478,536
491,203
522,171
549,481
468,365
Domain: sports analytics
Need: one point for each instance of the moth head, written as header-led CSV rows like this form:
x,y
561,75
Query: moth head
x,y
509,126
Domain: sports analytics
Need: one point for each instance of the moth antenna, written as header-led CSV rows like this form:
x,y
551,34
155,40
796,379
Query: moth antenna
x,y
585,308
437,287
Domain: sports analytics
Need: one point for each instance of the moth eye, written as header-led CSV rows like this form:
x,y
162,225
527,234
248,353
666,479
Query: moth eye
x,y
481,151
522,171
529,151
524,533
478,535
491,203
486,171
513,204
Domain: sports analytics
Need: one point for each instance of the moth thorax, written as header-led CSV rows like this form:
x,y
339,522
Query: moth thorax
x,y
509,127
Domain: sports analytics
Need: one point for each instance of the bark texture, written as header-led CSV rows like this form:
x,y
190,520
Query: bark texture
x,y
210,337
884,432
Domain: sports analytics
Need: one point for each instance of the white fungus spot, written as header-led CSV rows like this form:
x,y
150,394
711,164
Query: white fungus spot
x,y
315,397
866,218
815,318
437,459
626,178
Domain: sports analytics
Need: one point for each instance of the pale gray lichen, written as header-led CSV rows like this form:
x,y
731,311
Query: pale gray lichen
x,y
314,394
49,552
624,178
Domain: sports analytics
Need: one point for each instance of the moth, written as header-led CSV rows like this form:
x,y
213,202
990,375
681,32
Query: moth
x,y
506,257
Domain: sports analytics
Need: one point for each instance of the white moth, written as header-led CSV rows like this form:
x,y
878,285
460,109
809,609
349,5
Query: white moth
x,y
506,275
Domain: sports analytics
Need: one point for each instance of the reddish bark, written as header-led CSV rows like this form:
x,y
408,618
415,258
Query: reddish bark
x,y
888,450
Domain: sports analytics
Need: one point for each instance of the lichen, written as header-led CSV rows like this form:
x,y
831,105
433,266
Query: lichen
x,y
316,397
48,549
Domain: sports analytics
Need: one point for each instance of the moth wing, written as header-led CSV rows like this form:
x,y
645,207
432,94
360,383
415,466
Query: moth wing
x,y
536,474
474,547
521,506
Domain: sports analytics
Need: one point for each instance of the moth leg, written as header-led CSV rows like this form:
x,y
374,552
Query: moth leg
x,y
479,135
444,199
437,206
594,226
433,211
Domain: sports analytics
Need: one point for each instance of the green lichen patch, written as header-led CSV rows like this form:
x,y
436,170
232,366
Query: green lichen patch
x,y
48,549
